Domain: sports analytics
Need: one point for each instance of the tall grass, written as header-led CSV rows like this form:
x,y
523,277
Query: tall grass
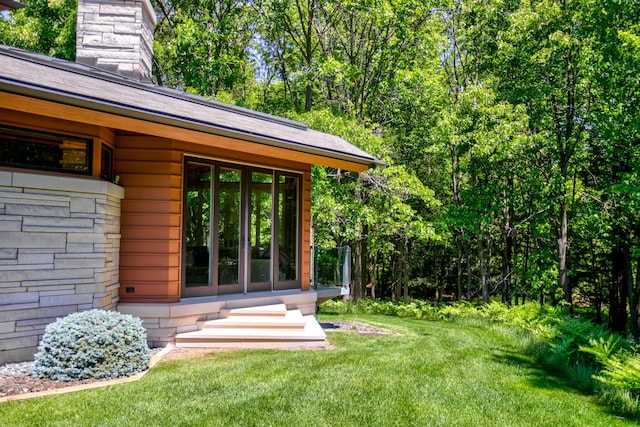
x,y
573,348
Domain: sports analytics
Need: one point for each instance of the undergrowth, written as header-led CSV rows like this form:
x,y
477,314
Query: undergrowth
x,y
584,353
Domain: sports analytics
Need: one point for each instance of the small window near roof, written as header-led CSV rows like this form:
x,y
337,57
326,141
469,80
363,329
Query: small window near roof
x,y
106,163
22,148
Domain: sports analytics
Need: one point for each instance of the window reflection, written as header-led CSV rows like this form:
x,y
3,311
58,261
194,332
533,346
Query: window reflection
x,y
288,227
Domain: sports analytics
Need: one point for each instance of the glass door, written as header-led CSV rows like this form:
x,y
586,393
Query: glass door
x,y
260,232
229,242
197,229
241,229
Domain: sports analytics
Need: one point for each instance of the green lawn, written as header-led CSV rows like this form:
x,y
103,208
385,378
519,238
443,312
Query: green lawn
x,y
435,374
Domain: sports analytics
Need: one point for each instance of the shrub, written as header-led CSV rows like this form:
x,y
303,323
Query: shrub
x,y
92,344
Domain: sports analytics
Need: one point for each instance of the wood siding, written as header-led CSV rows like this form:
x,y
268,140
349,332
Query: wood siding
x,y
306,231
150,170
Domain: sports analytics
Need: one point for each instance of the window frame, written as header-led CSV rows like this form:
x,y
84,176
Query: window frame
x,y
25,135
245,285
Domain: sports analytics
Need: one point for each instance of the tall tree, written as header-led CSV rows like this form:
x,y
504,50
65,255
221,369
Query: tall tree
x,y
203,47
43,26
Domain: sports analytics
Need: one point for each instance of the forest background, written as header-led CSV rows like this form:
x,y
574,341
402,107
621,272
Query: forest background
x,y
509,129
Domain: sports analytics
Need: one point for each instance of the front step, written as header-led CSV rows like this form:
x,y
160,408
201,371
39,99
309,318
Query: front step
x,y
256,327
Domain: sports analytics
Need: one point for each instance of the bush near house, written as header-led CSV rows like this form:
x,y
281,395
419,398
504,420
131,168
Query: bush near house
x,y
92,344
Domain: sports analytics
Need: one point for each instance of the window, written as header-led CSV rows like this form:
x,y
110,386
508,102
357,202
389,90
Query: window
x,y
106,163
242,230
23,148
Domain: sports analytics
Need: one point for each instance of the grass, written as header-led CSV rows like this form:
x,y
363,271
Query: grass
x,y
435,374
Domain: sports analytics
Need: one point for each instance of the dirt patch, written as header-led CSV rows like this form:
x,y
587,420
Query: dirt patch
x,y
361,329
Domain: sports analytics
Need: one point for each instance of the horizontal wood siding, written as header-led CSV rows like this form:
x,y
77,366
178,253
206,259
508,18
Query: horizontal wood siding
x,y
306,231
150,170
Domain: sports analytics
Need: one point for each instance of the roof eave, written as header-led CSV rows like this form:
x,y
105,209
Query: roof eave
x,y
51,95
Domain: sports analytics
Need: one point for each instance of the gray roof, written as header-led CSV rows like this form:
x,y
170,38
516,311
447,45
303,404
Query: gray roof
x,y
70,83
10,4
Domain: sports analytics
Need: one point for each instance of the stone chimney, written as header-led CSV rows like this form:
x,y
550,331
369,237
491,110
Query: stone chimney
x,y
117,36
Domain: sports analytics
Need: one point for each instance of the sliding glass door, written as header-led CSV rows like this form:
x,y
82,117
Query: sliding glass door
x,y
241,229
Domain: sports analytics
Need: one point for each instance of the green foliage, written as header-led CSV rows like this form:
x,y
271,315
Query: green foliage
x,y
92,344
44,26
620,364
572,347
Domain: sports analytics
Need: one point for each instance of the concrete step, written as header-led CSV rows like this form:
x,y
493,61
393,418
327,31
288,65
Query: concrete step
x,y
256,327
292,319
275,310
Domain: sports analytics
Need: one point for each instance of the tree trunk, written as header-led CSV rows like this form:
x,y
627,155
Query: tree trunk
x,y
508,249
619,282
634,303
459,273
483,270
562,252
405,270
359,270
467,257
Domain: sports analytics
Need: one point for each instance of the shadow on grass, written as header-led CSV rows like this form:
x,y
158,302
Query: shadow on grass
x,y
538,376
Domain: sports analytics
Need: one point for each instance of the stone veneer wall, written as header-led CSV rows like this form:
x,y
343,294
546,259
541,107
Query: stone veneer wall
x,y
59,254
116,35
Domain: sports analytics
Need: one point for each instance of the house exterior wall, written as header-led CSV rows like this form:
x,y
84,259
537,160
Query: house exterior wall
x,y
151,170
59,253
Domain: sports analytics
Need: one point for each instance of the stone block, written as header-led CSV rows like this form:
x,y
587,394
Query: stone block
x,y
7,327
85,238
57,223
11,254
43,321
27,258
12,239
119,9
56,283
18,354
73,248
35,329
20,269
66,299
83,205
17,340
37,199
17,308
7,286
18,298
37,210
32,275
10,223
61,184
36,312
6,178
84,262
49,293
89,288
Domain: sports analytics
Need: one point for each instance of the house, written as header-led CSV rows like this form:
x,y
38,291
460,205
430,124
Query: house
x,y
121,195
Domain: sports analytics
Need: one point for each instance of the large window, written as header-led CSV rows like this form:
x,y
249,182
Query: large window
x,y
242,229
44,151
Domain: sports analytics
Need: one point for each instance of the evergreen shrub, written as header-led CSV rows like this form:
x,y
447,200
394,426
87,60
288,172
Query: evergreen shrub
x,y
92,344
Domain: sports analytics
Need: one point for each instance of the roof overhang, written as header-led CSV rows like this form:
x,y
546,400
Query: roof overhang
x,y
10,5
77,86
